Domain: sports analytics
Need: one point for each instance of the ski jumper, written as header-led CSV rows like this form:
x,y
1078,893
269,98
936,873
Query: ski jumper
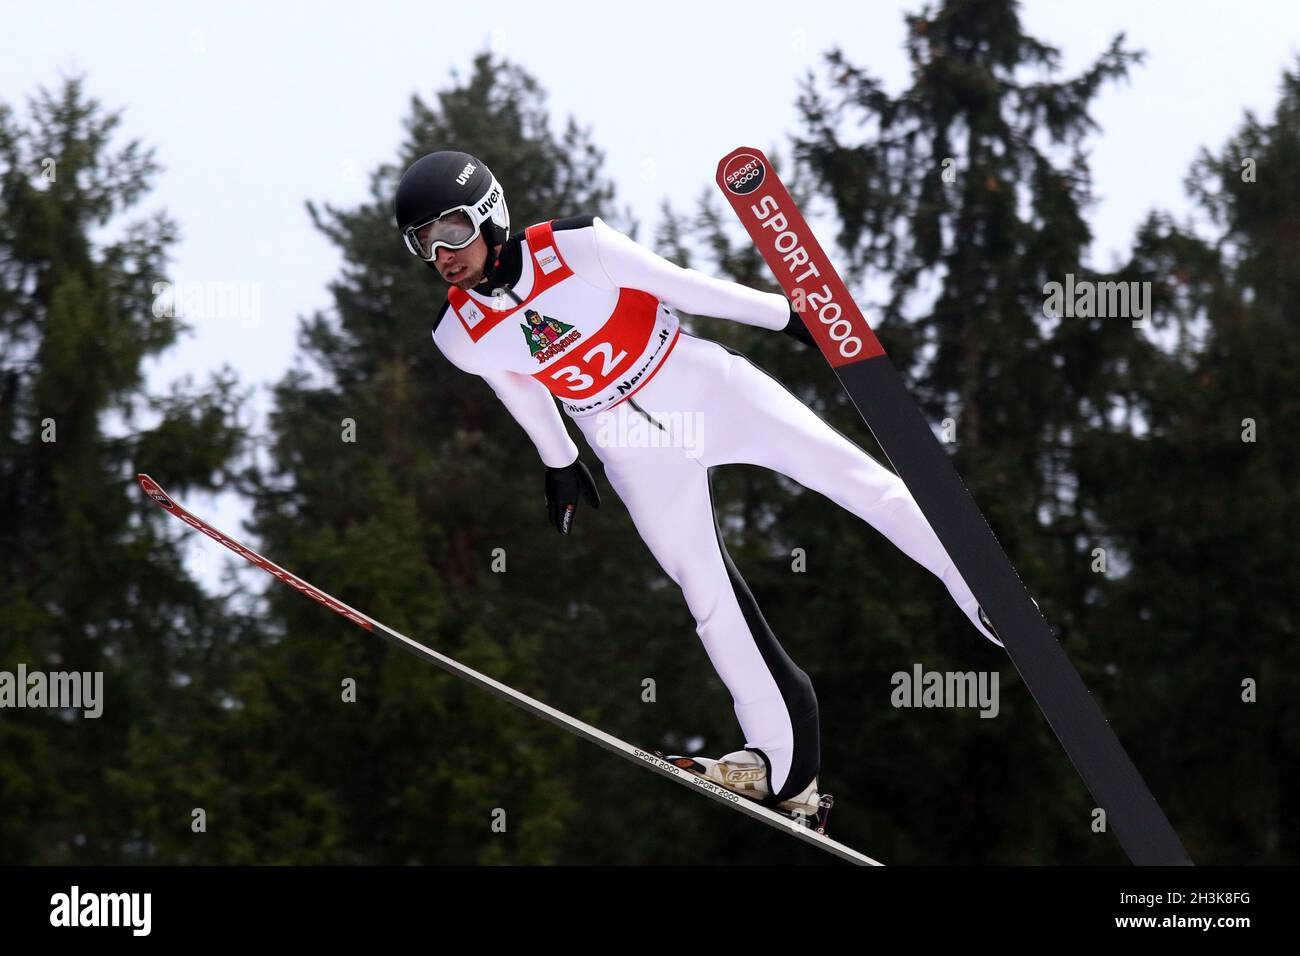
x,y
590,320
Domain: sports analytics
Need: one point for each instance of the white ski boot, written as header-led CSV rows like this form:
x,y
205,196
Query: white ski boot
x,y
745,773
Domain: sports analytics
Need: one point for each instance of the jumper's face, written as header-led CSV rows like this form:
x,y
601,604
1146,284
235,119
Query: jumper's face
x,y
462,268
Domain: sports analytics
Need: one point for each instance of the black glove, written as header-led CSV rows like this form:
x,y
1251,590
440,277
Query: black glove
x,y
563,488
797,330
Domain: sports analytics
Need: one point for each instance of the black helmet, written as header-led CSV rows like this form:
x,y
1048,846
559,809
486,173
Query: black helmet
x,y
458,195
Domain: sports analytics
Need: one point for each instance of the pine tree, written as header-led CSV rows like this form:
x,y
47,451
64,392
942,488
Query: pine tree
x,y
86,584
1200,485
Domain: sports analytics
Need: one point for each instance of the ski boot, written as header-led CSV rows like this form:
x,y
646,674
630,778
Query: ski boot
x,y
744,772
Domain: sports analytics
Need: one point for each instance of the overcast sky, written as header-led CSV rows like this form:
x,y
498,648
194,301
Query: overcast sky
x,y
256,107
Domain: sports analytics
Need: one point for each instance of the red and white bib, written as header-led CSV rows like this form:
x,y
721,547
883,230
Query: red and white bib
x,y
591,347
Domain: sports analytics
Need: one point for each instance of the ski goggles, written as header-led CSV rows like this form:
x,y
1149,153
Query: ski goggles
x,y
454,229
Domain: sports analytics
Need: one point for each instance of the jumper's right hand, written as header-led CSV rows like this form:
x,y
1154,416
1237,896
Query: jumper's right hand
x,y
564,486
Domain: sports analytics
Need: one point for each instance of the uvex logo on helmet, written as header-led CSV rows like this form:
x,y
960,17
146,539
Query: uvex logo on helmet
x,y
465,174
486,205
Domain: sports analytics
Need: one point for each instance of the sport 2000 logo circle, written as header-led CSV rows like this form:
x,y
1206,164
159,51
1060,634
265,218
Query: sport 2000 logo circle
x,y
743,173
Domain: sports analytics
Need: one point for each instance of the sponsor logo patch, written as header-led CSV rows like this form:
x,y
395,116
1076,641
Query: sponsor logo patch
x,y
547,337
547,260
471,314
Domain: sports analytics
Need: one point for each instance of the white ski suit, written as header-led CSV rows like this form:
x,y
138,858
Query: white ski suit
x,y
590,319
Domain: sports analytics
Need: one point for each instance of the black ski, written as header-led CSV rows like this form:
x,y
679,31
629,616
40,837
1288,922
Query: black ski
x,y
778,229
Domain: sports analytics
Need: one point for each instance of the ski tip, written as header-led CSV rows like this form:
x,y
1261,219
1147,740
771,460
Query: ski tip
x,y
742,171
743,154
153,490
